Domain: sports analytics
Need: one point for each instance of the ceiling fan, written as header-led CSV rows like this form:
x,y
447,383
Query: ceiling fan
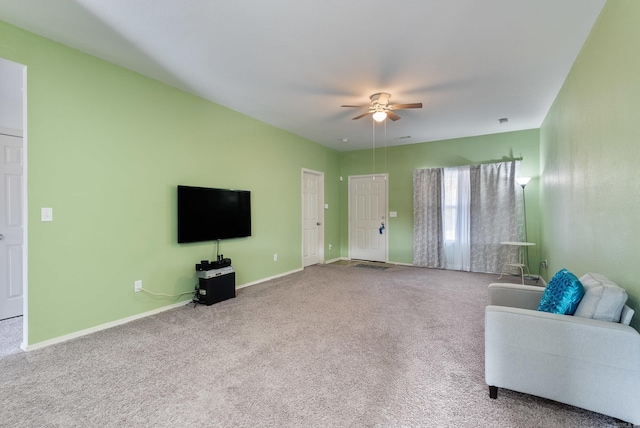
x,y
381,109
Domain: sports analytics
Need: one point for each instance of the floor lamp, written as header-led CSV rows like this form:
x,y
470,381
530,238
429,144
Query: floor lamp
x,y
523,181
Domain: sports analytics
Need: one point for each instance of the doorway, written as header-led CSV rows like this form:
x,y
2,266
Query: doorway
x,y
11,225
13,196
368,238
312,217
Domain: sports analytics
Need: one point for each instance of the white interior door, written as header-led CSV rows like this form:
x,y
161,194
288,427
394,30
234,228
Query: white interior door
x,y
368,217
312,217
11,225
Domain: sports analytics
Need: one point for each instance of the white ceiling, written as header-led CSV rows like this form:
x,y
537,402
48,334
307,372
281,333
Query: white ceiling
x,y
292,63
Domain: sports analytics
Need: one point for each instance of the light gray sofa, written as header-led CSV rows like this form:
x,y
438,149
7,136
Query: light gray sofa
x,y
583,362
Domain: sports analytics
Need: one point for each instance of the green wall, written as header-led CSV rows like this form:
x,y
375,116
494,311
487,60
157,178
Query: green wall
x,y
106,149
590,148
400,161
107,146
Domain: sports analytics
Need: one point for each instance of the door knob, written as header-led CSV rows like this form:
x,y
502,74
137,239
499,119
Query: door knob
x,y
318,224
1,236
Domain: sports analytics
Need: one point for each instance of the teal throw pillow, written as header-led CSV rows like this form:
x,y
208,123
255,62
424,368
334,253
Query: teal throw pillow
x,y
562,295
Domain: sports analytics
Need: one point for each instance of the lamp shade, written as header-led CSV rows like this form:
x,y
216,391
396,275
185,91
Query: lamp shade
x,y
379,116
523,181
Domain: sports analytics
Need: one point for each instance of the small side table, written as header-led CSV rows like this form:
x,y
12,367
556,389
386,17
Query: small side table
x,y
520,263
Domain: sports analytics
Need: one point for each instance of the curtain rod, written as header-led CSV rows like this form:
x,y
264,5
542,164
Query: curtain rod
x,y
473,164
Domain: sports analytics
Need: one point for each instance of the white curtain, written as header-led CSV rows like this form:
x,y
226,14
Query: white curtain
x,y
456,220
428,250
461,215
497,214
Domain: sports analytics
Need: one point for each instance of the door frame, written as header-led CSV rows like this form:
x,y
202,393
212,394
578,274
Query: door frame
x,y
386,214
25,209
320,175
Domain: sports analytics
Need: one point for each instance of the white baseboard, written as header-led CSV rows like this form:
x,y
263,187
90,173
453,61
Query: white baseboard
x,y
100,327
280,275
115,323
401,264
337,259
126,320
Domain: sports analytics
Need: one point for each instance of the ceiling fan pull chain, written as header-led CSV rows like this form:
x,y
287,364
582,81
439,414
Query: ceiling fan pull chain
x,y
373,151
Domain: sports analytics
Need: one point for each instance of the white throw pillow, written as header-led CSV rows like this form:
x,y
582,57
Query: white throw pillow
x,y
603,299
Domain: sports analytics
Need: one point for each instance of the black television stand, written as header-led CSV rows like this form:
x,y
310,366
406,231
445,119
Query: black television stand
x,y
215,285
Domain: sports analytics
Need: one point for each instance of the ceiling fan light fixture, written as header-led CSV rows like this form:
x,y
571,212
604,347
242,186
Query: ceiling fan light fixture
x,y
379,116
381,109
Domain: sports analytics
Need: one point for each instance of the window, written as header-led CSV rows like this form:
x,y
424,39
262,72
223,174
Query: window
x,y
450,205
455,217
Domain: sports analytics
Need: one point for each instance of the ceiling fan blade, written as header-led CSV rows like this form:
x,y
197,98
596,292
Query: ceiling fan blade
x,y
403,106
362,115
353,106
391,115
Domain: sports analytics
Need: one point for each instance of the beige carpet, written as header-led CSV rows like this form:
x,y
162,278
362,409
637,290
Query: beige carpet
x,y
10,336
331,346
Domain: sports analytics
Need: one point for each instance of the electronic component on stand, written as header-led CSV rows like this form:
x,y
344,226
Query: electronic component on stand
x,y
215,285
205,265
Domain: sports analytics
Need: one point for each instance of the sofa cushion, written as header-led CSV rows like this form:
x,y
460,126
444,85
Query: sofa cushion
x,y
603,299
562,294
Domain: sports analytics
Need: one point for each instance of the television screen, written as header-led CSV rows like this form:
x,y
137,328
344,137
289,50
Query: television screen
x,y
207,214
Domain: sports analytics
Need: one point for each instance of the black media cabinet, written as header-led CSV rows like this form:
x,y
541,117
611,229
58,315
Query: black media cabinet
x,y
216,289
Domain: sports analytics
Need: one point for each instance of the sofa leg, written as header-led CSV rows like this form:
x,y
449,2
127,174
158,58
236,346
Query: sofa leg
x,y
493,391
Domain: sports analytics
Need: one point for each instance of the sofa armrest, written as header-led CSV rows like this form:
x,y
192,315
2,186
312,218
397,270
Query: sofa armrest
x,y
515,295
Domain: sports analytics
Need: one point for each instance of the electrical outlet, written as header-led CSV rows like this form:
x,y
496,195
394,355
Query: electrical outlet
x,y
137,286
275,257
543,264
330,246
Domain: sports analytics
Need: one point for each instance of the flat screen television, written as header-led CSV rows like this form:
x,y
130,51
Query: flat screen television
x,y
208,214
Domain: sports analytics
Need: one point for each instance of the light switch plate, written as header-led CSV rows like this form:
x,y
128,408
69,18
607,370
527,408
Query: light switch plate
x,y
46,214
393,214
